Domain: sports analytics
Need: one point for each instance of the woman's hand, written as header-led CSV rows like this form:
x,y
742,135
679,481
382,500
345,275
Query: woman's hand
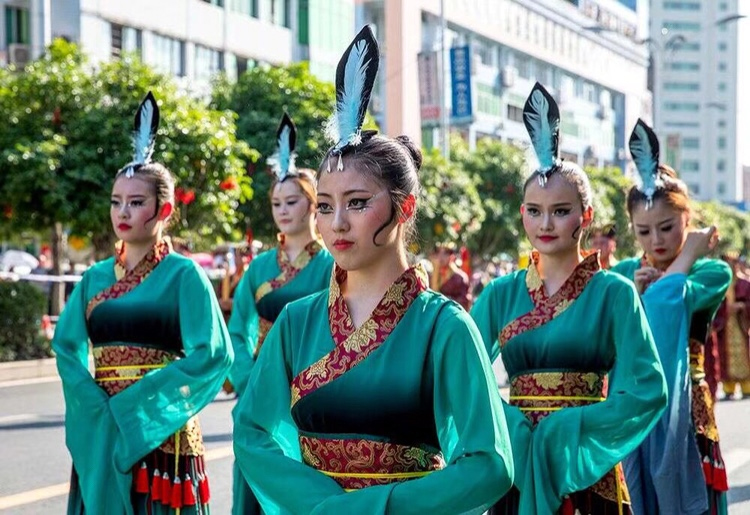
x,y
700,242
644,277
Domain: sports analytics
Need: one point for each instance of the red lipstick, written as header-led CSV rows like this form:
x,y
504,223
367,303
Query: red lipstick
x,y
124,227
342,244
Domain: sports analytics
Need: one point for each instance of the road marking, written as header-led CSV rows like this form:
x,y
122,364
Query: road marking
x,y
22,417
48,492
24,382
735,459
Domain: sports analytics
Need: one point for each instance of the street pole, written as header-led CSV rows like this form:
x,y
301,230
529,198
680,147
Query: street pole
x,y
444,129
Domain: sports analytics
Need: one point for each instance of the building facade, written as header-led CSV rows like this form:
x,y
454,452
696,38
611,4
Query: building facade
x,y
696,59
190,39
586,52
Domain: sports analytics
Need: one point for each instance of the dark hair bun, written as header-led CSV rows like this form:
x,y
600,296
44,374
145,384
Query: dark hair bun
x,y
414,151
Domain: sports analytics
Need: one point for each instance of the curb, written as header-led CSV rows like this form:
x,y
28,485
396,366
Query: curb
x,y
32,369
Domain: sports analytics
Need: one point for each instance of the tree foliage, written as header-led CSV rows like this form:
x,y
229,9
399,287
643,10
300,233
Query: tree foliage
x,y
610,189
450,209
68,132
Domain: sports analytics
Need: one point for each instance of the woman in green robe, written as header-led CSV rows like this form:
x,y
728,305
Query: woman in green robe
x,y
679,468
586,383
297,267
160,349
375,395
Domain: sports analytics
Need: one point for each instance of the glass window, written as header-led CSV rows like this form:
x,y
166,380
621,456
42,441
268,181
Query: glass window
x,y
721,166
721,188
721,142
722,86
695,189
722,46
515,113
684,66
681,106
681,86
17,26
682,6
690,166
690,143
167,55
682,26
722,67
125,39
208,62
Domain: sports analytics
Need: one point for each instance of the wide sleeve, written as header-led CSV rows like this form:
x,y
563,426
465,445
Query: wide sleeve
x,y
159,404
707,283
90,430
485,313
669,459
471,429
243,331
595,438
266,444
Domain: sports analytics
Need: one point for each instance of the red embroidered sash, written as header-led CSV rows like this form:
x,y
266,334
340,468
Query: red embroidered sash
x,y
547,308
352,345
131,278
541,393
119,366
289,269
359,463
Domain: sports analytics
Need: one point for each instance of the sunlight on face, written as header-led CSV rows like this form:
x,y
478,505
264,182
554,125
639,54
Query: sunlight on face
x,y
553,217
352,208
290,208
660,230
133,210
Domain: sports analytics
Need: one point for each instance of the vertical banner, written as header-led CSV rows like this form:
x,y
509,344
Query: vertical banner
x,y
462,110
429,92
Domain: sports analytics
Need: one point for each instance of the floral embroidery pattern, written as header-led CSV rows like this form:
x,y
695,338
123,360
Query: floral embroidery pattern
x,y
539,394
547,308
289,269
381,463
353,345
119,366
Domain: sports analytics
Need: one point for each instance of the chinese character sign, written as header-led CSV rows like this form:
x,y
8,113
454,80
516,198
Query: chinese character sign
x,y
462,111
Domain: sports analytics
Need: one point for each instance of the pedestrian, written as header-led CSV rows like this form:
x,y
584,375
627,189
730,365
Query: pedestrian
x,y
160,351
297,267
374,395
586,385
604,240
447,277
732,325
678,469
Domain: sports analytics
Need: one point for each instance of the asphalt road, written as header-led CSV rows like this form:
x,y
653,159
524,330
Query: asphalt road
x,y
36,464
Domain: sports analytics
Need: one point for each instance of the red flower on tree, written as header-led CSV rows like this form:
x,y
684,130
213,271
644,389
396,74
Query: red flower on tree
x,y
8,211
184,196
230,183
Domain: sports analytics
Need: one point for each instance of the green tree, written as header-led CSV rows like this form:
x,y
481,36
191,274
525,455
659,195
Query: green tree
x,y
259,97
610,190
450,209
733,225
499,171
68,132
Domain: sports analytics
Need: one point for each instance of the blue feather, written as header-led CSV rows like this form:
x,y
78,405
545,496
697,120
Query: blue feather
x,y
283,161
343,128
542,120
644,147
144,135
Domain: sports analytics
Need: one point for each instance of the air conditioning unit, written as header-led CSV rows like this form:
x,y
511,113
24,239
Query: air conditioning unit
x,y
509,76
19,54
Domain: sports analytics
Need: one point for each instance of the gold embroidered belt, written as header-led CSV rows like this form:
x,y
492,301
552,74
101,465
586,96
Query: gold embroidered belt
x,y
541,393
119,366
704,419
264,326
358,463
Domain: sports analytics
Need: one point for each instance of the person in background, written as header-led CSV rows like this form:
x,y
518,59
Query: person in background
x,y
604,239
732,324
447,277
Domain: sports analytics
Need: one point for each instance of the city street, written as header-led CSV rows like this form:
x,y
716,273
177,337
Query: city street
x,y
36,464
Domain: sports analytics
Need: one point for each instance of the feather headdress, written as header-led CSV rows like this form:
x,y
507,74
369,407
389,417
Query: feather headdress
x,y
282,162
144,134
542,119
644,147
355,77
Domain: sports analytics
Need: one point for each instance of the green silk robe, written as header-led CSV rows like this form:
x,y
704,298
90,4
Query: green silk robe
x,y
604,330
428,385
244,324
174,308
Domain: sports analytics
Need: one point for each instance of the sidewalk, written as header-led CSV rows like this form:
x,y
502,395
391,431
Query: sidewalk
x,y
32,369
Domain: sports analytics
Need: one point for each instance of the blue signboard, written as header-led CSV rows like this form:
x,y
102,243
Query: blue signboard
x,y
462,110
